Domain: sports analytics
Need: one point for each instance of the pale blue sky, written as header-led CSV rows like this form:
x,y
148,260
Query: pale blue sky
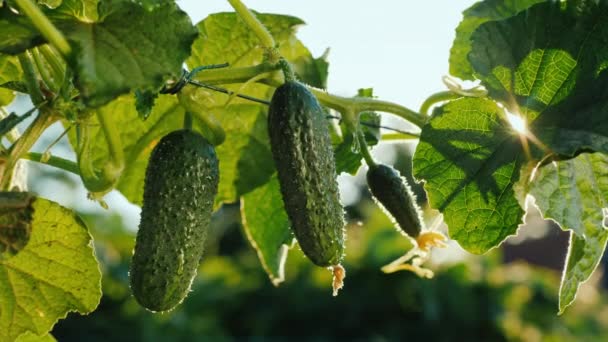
x,y
398,47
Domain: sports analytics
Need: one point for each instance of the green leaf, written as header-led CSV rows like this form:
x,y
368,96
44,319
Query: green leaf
x,y
313,71
129,50
549,66
10,71
18,34
473,17
144,102
138,138
470,160
50,3
15,222
31,337
9,122
267,227
246,160
55,273
574,193
83,10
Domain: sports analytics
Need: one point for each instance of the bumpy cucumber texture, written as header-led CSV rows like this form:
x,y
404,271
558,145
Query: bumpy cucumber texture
x,y
180,185
394,193
304,159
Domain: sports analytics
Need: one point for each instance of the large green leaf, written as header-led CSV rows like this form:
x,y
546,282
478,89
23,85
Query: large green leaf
x,y
129,50
548,64
55,273
10,71
474,16
574,193
267,227
125,51
545,64
246,161
470,160
18,34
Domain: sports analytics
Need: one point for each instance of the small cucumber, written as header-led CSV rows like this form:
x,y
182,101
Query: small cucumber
x,y
304,159
393,193
180,186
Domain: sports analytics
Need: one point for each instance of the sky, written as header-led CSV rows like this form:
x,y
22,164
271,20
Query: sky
x,y
400,48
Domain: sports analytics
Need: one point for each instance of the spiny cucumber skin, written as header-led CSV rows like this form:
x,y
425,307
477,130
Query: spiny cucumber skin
x,y
180,185
394,193
302,152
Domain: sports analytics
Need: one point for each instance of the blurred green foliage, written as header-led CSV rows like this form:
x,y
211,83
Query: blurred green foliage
x,y
478,299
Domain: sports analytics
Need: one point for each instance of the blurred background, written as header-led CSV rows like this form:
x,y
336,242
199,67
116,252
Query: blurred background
x,y
401,50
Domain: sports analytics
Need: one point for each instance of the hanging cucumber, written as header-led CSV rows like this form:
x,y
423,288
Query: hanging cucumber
x,y
394,193
304,159
180,186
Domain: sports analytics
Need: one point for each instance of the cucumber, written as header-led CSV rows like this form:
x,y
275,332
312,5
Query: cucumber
x,y
304,159
394,194
180,186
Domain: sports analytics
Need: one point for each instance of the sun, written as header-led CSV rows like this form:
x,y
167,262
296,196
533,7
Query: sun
x,y
517,123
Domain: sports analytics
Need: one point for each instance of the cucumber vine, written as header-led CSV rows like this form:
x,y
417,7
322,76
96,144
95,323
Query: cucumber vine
x,y
477,169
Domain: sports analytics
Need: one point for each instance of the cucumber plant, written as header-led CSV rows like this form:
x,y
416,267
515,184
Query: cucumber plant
x,y
534,128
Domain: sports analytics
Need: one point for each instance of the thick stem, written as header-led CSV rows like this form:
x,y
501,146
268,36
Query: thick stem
x,y
362,104
31,78
339,103
57,162
235,75
45,26
287,70
441,96
44,119
253,23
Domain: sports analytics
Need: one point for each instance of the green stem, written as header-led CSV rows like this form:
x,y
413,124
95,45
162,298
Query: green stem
x,y
49,80
362,104
44,119
365,149
339,103
188,120
31,78
47,151
57,162
253,23
399,136
45,26
288,73
441,96
56,63
236,75
117,158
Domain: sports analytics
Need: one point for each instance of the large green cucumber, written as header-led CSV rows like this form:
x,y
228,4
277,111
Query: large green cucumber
x,y
180,186
304,159
393,193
